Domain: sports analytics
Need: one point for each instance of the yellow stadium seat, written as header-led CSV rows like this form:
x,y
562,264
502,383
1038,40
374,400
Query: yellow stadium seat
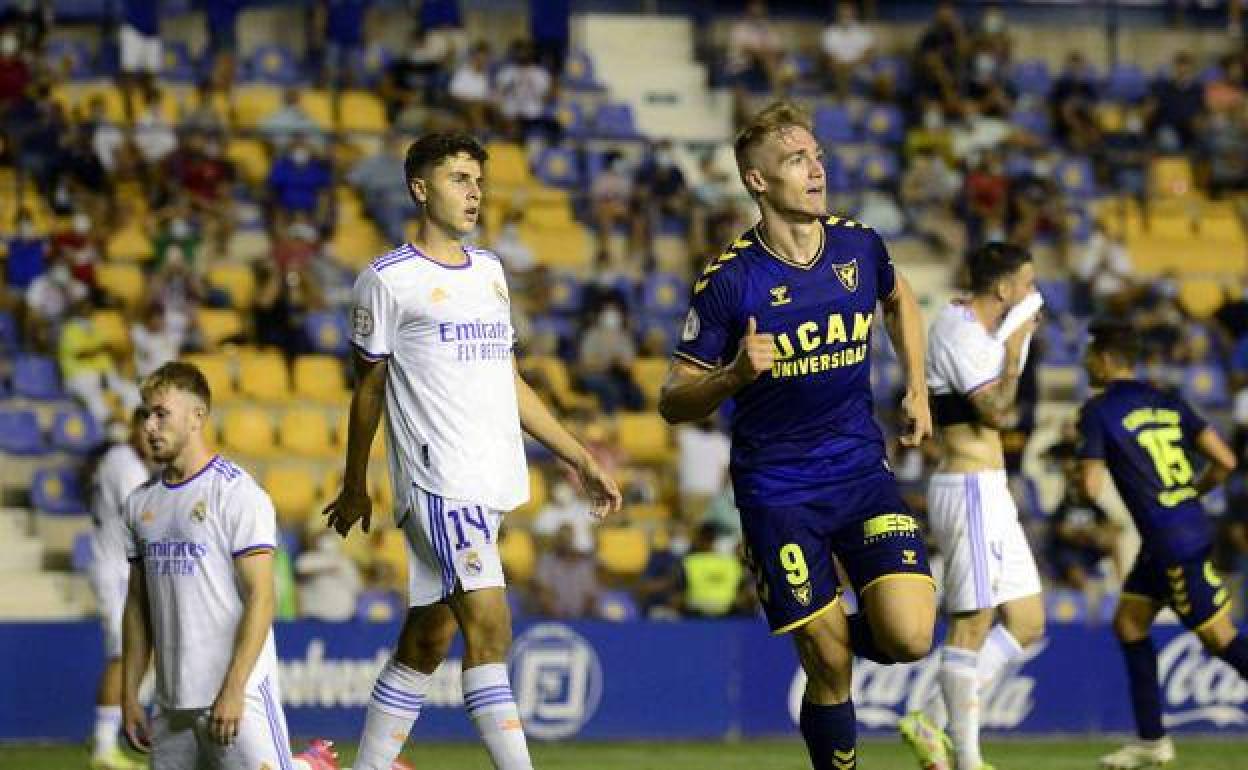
x,y
218,325
390,550
1109,116
649,374
518,554
79,97
249,430
568,248
549,216
362,111
235,279
129,244
305,432
320,378
111,326
623,551
555,373
264,377
648,512
1201,297
1171,177
252,104
218,371
538,494
644,437
316,102
509,166
124,282
293,490
355,244
378,450
251,158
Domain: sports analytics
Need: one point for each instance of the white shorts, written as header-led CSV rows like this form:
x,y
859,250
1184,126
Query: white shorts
x,y
449,542
140,53
182,739
110,587
975,523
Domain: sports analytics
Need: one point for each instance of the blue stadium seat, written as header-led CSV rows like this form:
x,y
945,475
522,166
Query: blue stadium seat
x,y
8,333
1033,121
615,121
179,66
1031,78
19,433
366,65
571,116
617,606
664,294
879,169
1066,605
1206,386
834,124
896,68
1125,83
375,606
666,326
1057,296
561,328
82,553
273,64
1074,176
76,431
1060,348
74,55
566,293
578,72
36,377
57,491
838,173
558,167
327,332
883,124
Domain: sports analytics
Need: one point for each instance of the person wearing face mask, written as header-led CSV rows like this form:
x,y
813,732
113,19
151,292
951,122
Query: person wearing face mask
x,y
27,254
604,364
566,507
88,367
299,182
610,198
291,123
408,80
79,249
379,180
702,467
176,240
660,192
14,74
328,581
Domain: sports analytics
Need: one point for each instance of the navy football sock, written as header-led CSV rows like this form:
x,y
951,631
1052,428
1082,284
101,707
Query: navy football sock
x,y
831,733
862,639
1236,653
1141,658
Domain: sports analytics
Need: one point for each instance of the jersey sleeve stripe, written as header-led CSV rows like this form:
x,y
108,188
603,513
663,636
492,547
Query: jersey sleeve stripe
x,y
693,360
253,549
981,386
366,355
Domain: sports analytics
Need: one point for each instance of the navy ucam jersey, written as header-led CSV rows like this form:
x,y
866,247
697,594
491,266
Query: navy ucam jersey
x,y
1145,436
806,426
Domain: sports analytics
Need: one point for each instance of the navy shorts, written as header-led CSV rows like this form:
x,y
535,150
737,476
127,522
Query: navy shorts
x,y
790,548
1191,587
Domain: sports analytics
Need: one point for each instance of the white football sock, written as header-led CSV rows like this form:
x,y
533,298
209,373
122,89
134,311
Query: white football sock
x,y
999,650
397,697
107,729
492,707
959,682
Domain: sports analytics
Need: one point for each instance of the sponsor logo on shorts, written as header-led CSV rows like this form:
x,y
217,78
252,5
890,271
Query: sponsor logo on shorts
x,y
909,557
802,594
889,524
472,563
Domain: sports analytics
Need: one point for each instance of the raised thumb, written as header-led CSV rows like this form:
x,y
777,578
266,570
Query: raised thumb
x,y
751,327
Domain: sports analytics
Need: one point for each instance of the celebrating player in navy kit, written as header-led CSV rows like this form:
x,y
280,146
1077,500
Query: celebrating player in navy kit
x,y
1146,439
781,324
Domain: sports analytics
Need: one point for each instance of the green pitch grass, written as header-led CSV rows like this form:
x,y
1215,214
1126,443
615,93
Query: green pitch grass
x,y
1070,754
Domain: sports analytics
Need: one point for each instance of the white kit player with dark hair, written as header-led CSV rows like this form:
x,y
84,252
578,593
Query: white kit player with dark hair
x,y
975,355
120,470
200,540
433,339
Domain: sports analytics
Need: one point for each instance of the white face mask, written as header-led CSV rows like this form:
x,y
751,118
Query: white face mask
x,y
26,229
179,229
8,45
82,224
933,120
664,159
562,494
994,23
300,155
611,319
679,544
60,274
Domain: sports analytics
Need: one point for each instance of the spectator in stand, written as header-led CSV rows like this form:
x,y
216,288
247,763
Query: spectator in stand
x,y
525,94
14,73
1037,207
80,173
153,134
1176,106
1073,104
1222,152
299,181
299,247
714,209
221,21
409,80
340,23
610,200
549,24
518,258
987,82
382,187
47,302
81,248
38,124
932,133
204,116
1225,92
565,582
714,583
1081,534
702,469
565,508
27,254
175,240
205,176
941,58
153,342
289,123
987,196
1103,277
660,193
929,188
978,132
30,21
141,54
755,53
88,366
848,46
470,89
1125,155
329,583
107,138
281,305
605,359
659,587
993,37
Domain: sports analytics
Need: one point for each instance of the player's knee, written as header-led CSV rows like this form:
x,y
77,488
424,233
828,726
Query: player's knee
x,y
1028,630
487,641
1216,637
424,644
908,643
1128,629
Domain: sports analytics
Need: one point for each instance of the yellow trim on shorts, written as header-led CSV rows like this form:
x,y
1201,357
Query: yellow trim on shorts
x,y
1137,598
900,576
1225,608
803,621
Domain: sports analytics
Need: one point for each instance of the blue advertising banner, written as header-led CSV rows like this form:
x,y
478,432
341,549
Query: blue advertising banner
x,y
599,680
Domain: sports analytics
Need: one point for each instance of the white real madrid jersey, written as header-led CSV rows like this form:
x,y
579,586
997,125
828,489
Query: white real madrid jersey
x,y
962,356
452,423
187,536
120,471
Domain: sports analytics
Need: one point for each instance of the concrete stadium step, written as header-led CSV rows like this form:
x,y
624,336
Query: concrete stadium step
x,y
15,523
58,532
44,596
21,554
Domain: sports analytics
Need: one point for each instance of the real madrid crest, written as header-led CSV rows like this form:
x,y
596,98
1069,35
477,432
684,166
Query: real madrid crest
x,y
199,512
848,274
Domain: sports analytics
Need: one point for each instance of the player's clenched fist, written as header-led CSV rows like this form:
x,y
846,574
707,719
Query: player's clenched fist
x,y
756,354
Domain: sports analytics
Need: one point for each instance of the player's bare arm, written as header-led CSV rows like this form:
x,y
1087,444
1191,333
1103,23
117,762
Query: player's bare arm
x,y
1092,475
995,403
255,573
353,503
136,653
691,392
538,422
905,328
1221,460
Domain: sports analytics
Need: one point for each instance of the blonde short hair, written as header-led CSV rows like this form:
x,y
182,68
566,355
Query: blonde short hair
x,y
181,375
775,118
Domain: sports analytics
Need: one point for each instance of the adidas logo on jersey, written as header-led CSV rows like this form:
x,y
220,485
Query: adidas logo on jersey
x,y
438,295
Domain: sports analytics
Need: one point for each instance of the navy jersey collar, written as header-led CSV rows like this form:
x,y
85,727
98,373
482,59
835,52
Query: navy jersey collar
x,y
823,242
